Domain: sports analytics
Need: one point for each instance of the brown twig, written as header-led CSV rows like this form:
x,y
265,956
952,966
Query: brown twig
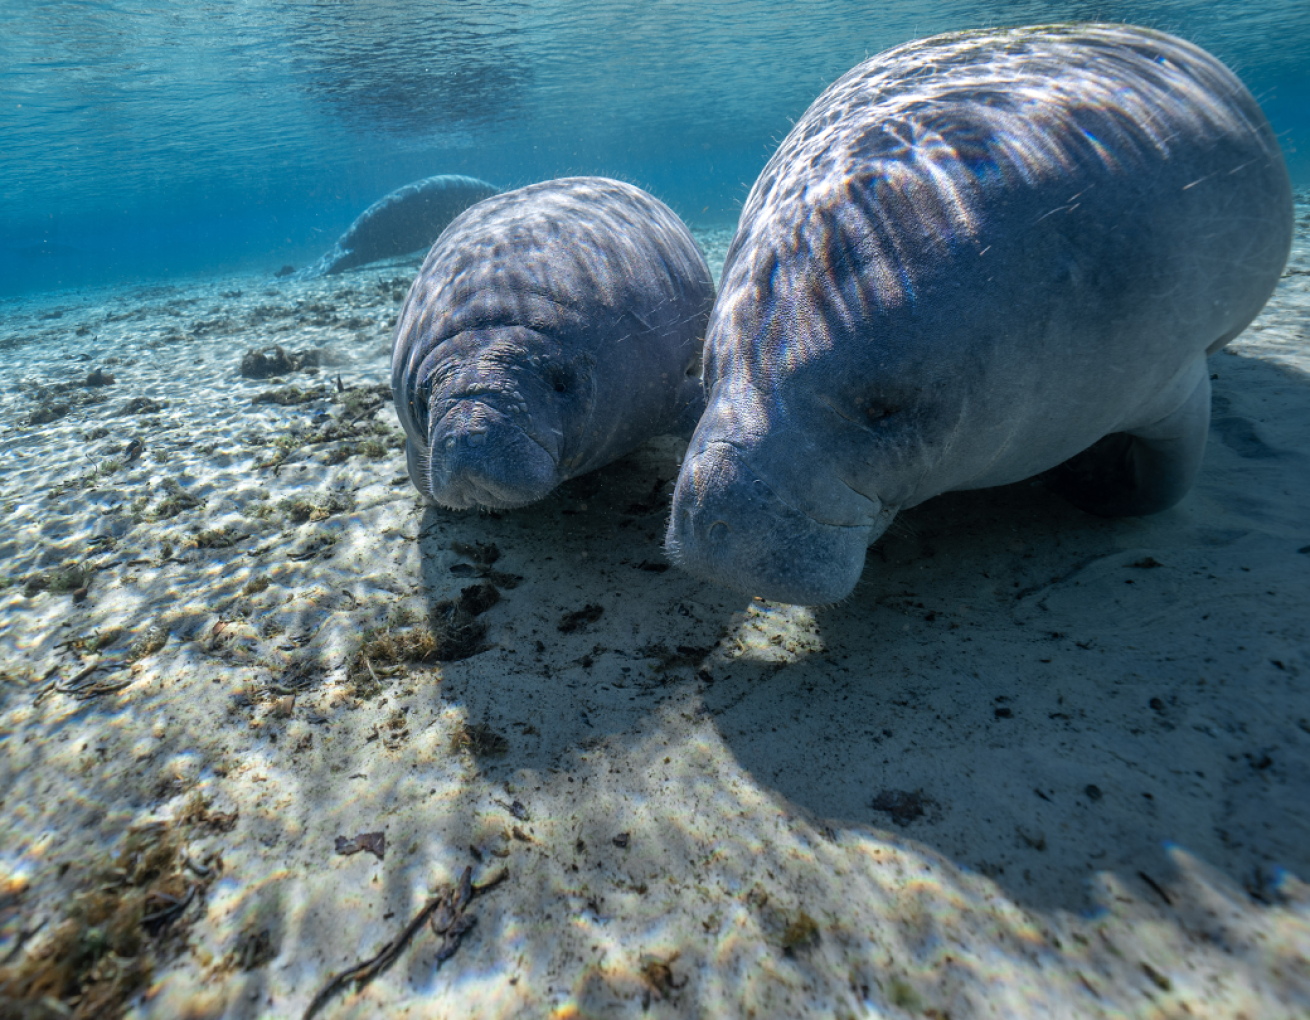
x,y
362,973
46,688
80,675
21,940
75,688
453,900
370,410
173,907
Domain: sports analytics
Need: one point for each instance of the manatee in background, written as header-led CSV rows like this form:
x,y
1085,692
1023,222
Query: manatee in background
x,y
409,219
977,258
550,331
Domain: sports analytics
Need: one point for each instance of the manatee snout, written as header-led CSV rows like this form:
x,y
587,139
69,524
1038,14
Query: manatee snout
x,y
480,456
729,526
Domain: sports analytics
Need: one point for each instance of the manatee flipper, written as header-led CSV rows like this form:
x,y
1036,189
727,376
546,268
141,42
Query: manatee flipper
x,y
1130,474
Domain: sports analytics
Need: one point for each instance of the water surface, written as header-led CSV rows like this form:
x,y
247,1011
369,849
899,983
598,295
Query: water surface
x,y
143,139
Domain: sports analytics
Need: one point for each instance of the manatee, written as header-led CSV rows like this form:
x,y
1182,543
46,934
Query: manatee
x,y
550,331
977,258
409,219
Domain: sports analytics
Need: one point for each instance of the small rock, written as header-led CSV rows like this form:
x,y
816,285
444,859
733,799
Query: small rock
x,y
47,413
141,405
100,378
262,364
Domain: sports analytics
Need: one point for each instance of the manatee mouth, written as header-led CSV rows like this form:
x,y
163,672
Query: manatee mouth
x,y
480,458
730,527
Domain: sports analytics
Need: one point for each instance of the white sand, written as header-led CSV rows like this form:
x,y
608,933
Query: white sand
x,y
1078,703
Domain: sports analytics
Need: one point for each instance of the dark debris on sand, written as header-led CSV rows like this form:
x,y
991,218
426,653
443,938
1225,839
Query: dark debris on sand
x,y
903,806
453,632
276,360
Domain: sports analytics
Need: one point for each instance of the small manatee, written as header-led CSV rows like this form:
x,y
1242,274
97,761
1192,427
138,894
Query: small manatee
x,y
408,219
550,331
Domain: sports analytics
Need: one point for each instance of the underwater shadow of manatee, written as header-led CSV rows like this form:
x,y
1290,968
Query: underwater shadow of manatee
x,y
587,602
1042,695
1038,694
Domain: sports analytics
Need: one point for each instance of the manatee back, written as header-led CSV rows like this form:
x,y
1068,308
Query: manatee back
x,y
1050,223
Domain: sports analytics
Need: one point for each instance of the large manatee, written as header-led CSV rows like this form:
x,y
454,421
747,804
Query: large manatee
x,y
408,219
550,331
977,258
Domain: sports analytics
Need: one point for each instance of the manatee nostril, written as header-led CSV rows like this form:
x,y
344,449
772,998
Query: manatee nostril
x,y
469,437
719,531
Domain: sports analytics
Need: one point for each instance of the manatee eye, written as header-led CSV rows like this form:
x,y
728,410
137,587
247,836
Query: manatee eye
x,y
561,380
879,412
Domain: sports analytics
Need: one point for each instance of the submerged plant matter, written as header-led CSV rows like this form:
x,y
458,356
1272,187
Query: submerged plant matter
x,y
452,632
127,916
62,580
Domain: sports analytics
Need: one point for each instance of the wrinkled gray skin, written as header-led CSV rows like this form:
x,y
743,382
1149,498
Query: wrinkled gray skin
x,y
551,330
409,219
975,259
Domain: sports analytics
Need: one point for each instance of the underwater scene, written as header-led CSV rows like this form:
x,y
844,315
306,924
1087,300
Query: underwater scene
x,y
755,509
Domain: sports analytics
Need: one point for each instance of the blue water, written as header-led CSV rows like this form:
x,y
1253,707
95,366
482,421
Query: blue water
x,y
144,140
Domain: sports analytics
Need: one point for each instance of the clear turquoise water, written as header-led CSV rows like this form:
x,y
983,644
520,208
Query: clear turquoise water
x,y
143,140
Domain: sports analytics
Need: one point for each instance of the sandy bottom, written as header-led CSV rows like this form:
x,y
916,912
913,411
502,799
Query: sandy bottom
x,y
1040,764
